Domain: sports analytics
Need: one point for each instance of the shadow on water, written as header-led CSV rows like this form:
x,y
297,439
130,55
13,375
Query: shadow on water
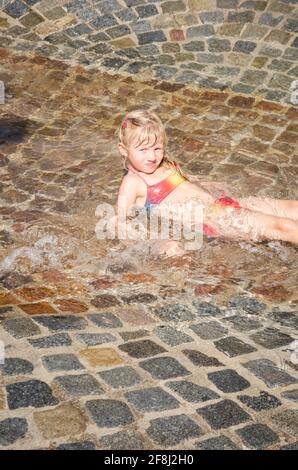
x,y
13,130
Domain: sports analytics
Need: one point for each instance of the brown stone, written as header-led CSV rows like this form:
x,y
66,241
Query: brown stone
x,y
137,278
64,420
38,308
213,96
70,305
102,283
274,293
264,133
105,300
34,293
269,106
241,102
204,290
7,299
101,357
288,137
54,276
135,316
292,113
177,35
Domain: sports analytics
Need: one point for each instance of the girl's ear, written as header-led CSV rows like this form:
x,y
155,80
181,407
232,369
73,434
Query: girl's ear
x,y
122,150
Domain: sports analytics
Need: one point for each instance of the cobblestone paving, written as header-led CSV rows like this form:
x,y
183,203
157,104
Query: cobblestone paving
x,y
109,348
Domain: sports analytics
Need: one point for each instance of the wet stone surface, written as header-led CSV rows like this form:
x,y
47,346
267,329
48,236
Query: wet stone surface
x,y
112,346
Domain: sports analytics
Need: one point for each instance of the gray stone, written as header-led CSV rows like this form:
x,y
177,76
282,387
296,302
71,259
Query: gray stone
x,y
232,346
249,304
94,339
240,16
244,46
280,81
271,338
61,322
291,395
210,58
259,403
172,336
127,335
293,446
113,63
257,436
151,399
122,440
53,341
211,17
254,77
192,392
227,3
79,385
83,445
200,359
103,21
194,46
16,9
30,393
254,5
151,36
287,421
206,309
228,380
216,443
118,31
224,414
120,377
241,88
142,348
164,368
201,30
16,366
291,25
242,323
209,330
269,19
267,371
172,430
105,320
219,45
270,51
173,312
21,327
61,362
109,413
12,429
126,15
145,11
285,318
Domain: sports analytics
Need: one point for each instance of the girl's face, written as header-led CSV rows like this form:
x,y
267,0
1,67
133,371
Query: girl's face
x,y
146,157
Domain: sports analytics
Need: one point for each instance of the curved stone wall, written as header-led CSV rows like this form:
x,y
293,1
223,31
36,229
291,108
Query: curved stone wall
x,y
246,46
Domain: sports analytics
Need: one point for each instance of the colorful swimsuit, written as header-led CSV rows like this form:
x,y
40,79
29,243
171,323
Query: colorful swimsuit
x,y
157,192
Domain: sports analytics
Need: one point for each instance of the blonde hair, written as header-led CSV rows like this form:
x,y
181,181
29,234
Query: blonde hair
x,y
139,126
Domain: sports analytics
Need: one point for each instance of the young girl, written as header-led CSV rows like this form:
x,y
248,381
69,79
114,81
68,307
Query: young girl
x,y
153,179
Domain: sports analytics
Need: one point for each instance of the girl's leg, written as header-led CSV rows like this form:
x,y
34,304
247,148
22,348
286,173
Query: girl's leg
x,y
251,225
277,207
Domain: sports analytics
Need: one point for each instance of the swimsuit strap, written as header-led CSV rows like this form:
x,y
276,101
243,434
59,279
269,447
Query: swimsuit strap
x,y
154,184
